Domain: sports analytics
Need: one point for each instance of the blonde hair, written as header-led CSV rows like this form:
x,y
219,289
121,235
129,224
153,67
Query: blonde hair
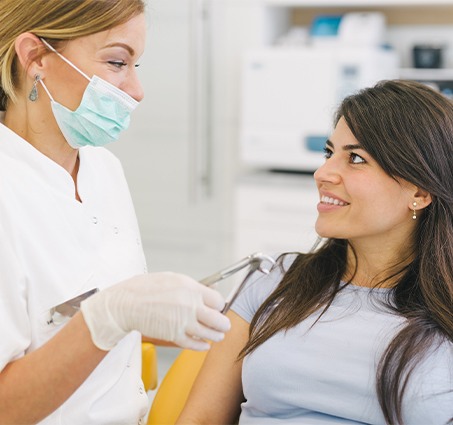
x,y
56,21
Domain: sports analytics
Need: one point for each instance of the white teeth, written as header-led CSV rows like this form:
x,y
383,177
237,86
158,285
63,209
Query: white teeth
x,y
332,201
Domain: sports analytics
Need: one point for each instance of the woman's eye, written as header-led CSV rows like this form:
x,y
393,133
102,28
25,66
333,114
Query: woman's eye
x,y
327,153
356,159
118,64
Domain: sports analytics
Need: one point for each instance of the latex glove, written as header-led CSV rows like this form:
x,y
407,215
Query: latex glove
x,y
166,306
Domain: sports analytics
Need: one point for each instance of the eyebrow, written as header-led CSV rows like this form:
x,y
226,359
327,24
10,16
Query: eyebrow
x,y
345,147
123,45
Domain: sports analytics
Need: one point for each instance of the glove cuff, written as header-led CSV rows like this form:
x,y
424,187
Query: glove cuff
x,y
105,334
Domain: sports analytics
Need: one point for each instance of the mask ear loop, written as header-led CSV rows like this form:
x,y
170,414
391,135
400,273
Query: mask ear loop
x,y
62,57
47,91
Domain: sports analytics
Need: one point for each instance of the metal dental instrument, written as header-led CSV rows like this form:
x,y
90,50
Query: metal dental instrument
x,y
253,261
61,312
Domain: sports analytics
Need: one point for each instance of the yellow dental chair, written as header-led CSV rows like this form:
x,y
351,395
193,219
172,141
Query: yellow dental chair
x,y
149,366
174,388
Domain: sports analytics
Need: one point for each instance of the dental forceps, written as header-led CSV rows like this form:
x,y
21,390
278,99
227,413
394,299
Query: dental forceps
x,y
253,261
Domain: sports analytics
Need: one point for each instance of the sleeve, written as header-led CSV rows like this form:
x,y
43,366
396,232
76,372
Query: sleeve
x,y
15,331
257,290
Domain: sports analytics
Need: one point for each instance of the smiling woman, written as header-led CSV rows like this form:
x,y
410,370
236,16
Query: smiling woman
x,y
360,330
353,185
68,230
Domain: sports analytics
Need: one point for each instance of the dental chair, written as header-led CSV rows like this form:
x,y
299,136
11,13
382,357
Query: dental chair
x,y
149,366
174,389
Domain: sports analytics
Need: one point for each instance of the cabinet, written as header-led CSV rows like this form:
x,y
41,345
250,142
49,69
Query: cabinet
x,y
275,213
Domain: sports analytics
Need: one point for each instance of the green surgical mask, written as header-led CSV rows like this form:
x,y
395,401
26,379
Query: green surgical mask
x,y
102,115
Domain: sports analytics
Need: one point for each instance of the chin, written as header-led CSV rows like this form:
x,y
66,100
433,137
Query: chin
x,y
325,234
329,232
323,231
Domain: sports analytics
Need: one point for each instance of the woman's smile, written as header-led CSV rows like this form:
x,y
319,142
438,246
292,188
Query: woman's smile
x,y
329,203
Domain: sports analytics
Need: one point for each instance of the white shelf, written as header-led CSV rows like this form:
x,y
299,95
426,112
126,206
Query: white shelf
x,y
355,3
426,74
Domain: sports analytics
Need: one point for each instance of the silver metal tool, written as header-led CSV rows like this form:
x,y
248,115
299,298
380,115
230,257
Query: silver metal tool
x,y
254,262
61,312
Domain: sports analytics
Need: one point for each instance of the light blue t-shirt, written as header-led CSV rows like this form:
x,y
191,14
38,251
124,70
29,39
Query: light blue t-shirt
x,y
326,375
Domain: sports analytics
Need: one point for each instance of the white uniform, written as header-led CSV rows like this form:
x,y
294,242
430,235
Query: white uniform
x,y
53,248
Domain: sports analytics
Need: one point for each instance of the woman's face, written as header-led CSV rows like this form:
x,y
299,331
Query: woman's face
x,y
111,55
358,200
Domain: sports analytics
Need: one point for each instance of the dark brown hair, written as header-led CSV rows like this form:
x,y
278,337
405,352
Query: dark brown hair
x,y
408,129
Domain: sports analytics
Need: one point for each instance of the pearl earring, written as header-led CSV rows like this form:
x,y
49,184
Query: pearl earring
x,y
33,96
414,212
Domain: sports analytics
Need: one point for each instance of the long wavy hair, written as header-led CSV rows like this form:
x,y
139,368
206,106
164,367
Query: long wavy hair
x,y
56,21
408,129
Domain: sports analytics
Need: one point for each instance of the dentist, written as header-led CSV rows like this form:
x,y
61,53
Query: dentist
x,y
68,85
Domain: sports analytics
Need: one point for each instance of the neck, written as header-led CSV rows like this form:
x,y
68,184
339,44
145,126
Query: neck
x,y
375,264
35,123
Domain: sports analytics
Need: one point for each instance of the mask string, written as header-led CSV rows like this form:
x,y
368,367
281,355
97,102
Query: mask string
x,y
47,91
66,60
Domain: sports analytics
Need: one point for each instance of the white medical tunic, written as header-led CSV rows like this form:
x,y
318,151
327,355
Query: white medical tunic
x,y
54,248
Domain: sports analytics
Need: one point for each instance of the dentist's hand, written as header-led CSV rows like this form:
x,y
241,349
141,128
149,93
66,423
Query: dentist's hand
x,y
166,306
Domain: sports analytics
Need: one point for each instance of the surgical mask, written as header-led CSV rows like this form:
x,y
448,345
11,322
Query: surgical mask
x,y
102,115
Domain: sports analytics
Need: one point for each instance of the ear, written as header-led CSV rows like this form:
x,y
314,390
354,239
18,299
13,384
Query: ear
x,y
29,51
422,198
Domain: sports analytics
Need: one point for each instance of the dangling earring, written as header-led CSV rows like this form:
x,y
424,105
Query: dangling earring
x,y
414,212
33,96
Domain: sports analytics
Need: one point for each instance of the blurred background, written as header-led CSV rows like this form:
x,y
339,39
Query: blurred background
x,y
239,101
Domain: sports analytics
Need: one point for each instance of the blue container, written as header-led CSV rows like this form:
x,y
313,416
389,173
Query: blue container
x,y
325,26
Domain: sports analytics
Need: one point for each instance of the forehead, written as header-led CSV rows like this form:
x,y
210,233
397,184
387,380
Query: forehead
x,y
131,33
342,135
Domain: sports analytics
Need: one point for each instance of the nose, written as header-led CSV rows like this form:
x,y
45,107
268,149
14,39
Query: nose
x,y
134,87
328,172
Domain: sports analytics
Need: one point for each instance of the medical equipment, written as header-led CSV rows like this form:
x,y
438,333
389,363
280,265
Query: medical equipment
x,y
289,96
61,312
65,310
253,261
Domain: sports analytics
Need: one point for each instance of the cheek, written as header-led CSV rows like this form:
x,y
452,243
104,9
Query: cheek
x,y
386,206
69,92
113,76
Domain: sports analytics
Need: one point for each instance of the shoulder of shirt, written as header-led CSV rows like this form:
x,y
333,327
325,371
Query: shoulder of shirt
x,y
100,154
8,156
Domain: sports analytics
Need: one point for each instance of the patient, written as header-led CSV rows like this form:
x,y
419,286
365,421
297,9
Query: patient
x,y
360,330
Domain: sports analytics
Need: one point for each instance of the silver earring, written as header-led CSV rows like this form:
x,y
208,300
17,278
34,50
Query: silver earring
x,y
414,212
33,96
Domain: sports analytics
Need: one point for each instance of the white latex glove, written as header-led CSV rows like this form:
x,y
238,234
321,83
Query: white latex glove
x,y
166,306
